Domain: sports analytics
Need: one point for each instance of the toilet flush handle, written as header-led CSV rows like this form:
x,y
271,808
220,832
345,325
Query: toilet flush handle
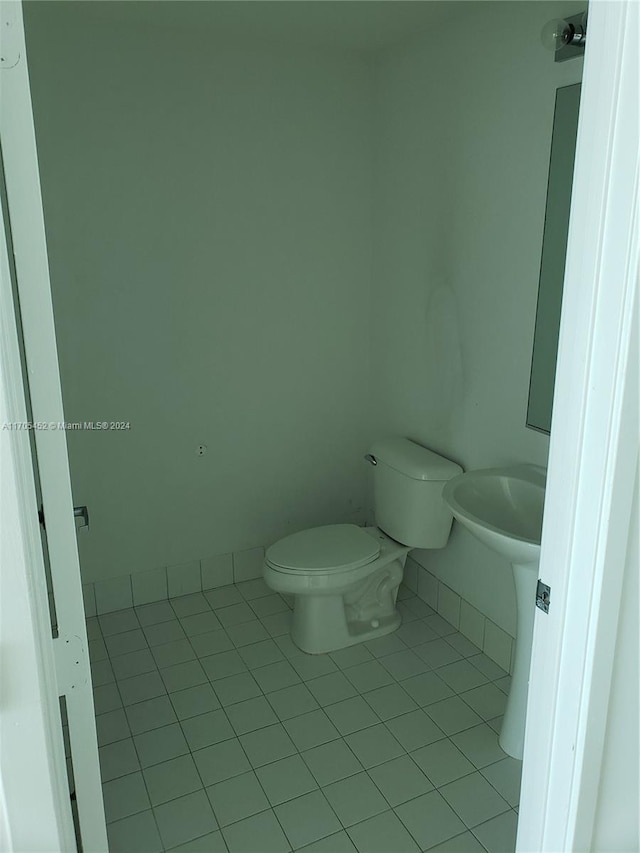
x,y
371,459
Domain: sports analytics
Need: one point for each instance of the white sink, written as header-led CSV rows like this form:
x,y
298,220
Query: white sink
x,y
502,507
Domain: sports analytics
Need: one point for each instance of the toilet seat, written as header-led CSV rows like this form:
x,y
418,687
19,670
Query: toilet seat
x,y
328,550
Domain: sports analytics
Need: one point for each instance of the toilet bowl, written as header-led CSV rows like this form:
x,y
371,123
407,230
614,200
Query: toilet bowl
x,y
344,579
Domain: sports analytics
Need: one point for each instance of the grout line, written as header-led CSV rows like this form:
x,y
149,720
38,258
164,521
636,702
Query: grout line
x,y
250,670
485,619
253,770
144,781
146,787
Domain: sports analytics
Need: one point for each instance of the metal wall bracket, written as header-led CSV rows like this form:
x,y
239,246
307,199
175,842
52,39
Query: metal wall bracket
x,y
543,596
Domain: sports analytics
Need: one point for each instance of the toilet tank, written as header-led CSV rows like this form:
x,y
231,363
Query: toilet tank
x,y
408,483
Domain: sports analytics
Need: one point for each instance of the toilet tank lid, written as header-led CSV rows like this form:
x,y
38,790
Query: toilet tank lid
x,y
413,460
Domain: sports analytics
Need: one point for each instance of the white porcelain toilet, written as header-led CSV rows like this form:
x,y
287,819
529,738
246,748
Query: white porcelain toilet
x,y
344,579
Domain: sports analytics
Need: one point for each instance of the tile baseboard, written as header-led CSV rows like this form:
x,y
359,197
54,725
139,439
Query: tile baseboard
x,y
119,593
219,570
474,625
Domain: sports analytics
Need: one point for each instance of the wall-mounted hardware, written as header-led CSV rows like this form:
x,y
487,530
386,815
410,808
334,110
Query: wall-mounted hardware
x,y
543,596
371,459
83,513
566,37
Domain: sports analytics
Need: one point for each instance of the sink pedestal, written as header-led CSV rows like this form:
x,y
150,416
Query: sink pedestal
x,y
511,738
502,507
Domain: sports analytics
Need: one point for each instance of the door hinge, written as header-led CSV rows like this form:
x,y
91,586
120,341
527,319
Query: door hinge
x,y
9,31
543,596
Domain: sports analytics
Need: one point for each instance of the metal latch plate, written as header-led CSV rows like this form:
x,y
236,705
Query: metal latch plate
x,y
543,596
71,670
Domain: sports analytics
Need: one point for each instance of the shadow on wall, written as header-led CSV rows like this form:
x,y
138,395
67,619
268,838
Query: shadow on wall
x,y
443,367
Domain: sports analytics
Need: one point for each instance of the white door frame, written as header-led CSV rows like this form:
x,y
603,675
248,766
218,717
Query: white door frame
x,y
32,760
593,452
64,661
593,446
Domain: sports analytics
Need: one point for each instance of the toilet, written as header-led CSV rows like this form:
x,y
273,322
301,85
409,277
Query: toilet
x,y
344,579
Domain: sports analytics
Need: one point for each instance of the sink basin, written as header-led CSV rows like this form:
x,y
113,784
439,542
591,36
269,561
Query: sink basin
x,y
502,507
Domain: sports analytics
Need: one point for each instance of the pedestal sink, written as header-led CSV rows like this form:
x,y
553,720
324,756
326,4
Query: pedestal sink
x,y
502,507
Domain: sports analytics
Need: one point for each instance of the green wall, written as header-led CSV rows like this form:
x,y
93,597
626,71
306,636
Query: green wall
x,y
464,128
281,248
208,211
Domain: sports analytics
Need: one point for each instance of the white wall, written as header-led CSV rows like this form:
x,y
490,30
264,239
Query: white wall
x,y
209,225
617,828
464,128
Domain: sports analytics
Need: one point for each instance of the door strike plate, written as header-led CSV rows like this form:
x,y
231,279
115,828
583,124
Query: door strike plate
x,y
543,596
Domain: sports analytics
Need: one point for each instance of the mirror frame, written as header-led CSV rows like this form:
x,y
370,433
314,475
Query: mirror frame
x,y
553,258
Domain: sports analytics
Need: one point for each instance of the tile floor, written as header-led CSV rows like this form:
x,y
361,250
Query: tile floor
x,y
217,734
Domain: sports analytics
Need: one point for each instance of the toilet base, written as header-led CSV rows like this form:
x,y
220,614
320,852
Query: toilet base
x,y
309,630
326,623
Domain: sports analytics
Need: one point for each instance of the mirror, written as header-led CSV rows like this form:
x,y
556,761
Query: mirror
x,y
554,250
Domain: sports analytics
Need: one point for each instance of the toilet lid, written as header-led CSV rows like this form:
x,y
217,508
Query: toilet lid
x,y
334,548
